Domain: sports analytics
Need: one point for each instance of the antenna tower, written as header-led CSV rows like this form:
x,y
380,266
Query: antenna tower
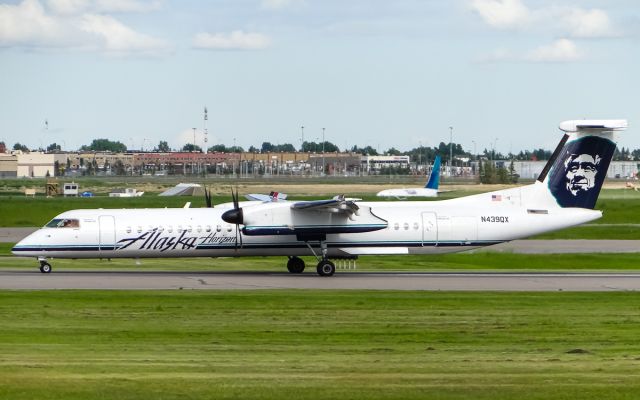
x,y
206,137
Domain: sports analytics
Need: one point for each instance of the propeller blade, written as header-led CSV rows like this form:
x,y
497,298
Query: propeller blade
x,y
207,198
234,197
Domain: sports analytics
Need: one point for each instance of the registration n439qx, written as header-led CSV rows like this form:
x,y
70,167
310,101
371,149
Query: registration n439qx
x,y
564,195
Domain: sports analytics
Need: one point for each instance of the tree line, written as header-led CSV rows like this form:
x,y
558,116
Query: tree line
x,y
421,154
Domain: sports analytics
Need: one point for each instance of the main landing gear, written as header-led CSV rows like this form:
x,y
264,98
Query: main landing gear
x,y
295,265
325,267
45,267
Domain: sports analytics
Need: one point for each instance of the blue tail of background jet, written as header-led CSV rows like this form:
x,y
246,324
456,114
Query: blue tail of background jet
x,y
577,168
434,178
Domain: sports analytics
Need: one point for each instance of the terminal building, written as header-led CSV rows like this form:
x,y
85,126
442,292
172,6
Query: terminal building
x,y
375,163
40,164
532,169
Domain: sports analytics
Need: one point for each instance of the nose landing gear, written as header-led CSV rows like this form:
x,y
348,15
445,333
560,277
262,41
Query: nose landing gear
x,y
45,267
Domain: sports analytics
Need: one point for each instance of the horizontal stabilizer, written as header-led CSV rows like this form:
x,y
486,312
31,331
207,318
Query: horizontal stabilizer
x,y
590,125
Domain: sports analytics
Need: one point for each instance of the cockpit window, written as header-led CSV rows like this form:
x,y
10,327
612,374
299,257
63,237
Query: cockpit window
x,y
63,223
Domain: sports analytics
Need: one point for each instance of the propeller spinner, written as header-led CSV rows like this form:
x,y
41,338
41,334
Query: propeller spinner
x,y
234,216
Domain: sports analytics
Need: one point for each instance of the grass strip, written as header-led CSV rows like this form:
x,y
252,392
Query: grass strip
x,y
318,345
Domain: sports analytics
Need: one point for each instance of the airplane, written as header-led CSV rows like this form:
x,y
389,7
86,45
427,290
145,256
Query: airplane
x,y
273,196
430,189
564,195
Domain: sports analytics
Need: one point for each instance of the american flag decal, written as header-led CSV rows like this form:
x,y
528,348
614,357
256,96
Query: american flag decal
x,y
496,197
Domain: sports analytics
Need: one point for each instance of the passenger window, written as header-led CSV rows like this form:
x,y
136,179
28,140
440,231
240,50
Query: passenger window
x,y
199,228
179,228
128,229
415,226
218,228
189,228
208,228
161,228
228,228
396,226
406,226
139,229
170,228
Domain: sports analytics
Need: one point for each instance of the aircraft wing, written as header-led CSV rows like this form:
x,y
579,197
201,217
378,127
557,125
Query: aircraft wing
x,y
310,219
273,196
336,205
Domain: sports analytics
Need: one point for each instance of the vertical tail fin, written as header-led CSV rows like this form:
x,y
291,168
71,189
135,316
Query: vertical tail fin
x,y
577,168
434,177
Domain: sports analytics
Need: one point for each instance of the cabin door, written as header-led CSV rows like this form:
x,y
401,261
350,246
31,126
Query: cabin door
x,y
107,234
429,229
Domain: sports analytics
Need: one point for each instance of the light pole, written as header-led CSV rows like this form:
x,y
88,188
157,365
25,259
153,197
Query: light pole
x,y
194,139
322,152
302,139
450,149
474,148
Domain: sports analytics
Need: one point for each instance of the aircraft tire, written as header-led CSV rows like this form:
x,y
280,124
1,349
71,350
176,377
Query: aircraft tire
x,y
295,265
326,268
45,267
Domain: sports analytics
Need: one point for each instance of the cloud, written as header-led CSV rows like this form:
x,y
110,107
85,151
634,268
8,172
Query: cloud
x,y
28,25
502,14
561,50
74,7
115,37
68,7
236,40
588,23
574,22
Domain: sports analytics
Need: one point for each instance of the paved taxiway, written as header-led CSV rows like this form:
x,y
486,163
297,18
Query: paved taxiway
x,y
377,281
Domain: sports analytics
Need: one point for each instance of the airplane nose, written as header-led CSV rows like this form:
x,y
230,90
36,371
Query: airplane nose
x,y
25,245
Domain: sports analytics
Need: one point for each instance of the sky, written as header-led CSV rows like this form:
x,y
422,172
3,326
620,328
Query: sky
x,y
490,73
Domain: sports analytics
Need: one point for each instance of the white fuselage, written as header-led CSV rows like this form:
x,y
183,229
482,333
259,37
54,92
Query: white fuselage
x,y
409,228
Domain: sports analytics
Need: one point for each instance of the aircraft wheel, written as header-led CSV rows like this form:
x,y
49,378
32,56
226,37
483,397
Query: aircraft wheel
x,y
295,265
45,267
326,268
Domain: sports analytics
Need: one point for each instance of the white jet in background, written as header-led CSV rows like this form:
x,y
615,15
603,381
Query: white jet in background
x,y
429,190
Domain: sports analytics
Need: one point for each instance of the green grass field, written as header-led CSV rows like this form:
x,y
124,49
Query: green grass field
x,y
318,345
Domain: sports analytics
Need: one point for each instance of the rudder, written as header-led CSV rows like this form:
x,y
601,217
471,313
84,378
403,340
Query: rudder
x,y
434,177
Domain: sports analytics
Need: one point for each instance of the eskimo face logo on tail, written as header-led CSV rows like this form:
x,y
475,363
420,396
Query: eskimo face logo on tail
x,y
581,172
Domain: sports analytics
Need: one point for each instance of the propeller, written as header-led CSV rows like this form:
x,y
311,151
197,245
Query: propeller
x,y
234,216
207,198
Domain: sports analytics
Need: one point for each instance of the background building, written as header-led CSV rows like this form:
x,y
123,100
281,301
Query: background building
x,y
8,165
